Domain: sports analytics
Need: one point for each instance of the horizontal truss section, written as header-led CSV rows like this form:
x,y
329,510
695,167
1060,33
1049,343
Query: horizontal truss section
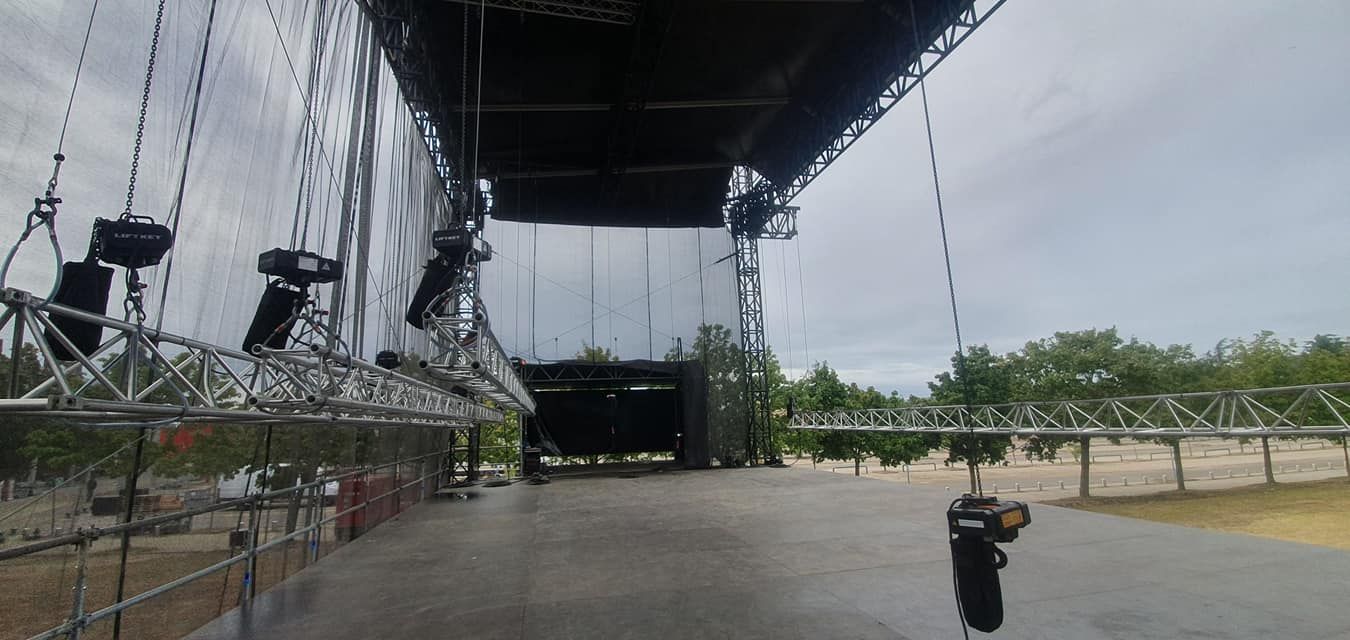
x,y
141,374
468,354
1307,410
610,11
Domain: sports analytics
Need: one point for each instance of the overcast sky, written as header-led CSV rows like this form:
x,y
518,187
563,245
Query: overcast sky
x,y
1180,171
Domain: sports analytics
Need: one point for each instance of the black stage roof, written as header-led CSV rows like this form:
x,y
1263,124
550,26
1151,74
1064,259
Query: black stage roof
x,y
634,113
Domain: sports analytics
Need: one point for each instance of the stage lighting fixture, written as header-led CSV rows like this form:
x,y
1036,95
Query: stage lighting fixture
x,y
284,298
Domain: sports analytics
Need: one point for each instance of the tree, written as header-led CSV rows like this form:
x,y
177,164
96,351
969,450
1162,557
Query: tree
x,y
822,390
984,379
590,353
722,364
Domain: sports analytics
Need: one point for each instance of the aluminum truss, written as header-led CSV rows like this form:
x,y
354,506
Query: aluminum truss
x,y
758,209
462,459
142,374
1308,410
611,11
466,351
588,373
469,354
404,46
746,217
953,32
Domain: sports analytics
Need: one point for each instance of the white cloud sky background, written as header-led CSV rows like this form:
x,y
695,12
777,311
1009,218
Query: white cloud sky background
x,y
1178,170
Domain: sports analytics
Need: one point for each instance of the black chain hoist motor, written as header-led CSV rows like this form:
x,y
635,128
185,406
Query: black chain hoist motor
x,y
129,241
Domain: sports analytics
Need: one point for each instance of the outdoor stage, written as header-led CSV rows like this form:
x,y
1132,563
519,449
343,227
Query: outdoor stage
x,y
780,553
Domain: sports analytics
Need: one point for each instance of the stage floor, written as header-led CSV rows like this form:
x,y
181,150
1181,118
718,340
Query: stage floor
x,y
780,553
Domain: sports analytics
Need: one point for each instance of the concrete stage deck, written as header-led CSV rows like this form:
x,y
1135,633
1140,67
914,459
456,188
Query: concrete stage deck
x,y
781,553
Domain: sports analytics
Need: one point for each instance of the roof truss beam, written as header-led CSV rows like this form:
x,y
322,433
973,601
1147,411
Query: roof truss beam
x,y
622,12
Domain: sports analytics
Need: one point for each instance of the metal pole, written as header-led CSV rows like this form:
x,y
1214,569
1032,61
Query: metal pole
x,y
1345,440
132,477
15,353
1265,459
81,573
258,516
250,563
1084,461
349,183
1176,462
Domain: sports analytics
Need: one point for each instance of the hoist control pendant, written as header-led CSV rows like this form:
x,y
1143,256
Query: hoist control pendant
x,y
388,359
299,268
132,242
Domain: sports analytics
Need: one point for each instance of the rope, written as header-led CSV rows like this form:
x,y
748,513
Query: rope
x,y
276,27
787,304
647,262
305,190
592,298
478,108
801,296
38,217
946,252
702,305
70,103
187,157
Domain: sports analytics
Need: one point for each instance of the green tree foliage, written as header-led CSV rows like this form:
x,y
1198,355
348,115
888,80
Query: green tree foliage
x,y
592,353
722,363
822,390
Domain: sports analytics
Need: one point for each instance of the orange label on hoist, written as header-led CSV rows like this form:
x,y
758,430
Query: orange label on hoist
x,y
1011,519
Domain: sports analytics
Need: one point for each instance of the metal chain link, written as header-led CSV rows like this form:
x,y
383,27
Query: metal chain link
x,y
145,106
135,300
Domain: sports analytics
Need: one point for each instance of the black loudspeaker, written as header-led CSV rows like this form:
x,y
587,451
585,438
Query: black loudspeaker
x,y
439,274
84,286
388,359
533,461
272,322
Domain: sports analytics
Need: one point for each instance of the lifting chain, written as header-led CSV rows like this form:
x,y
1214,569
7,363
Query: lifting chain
x,y
145,106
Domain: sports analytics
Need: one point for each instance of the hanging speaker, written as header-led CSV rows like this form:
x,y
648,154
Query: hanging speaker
x,y
388,359
437,277
84,286
272,321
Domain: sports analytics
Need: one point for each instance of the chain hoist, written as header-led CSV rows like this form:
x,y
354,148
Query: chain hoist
x,y
145,107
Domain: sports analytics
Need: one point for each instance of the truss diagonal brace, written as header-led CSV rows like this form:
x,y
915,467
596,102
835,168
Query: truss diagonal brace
x,y
469,355
1305,410
143,374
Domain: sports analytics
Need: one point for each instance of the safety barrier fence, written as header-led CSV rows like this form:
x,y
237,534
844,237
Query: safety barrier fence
x,y
322,515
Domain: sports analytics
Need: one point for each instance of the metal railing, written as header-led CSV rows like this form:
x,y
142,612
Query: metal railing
x,y
354,512
1308,410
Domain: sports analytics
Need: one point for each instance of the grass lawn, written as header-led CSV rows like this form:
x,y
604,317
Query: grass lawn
x,y
1311,512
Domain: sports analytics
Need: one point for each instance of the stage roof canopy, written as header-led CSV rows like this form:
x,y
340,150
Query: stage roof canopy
x,y
633,113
